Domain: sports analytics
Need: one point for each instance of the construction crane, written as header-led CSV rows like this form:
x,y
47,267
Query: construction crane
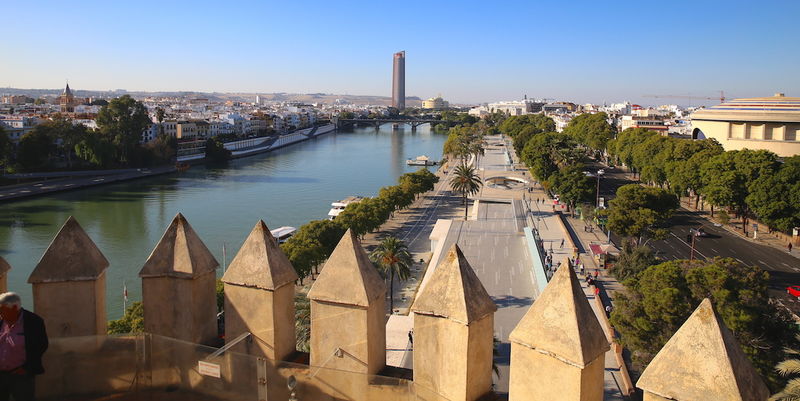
x,y
721,97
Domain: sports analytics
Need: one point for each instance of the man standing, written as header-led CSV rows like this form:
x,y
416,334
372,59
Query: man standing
x,y
23,340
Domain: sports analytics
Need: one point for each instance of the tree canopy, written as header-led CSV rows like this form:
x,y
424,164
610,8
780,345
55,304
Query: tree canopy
x,y
123,121
660,299
591,130
638,211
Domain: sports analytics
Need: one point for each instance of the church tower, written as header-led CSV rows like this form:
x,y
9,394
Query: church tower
x,y
67,100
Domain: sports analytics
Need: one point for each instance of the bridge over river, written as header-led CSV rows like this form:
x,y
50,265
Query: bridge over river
x,y
377,122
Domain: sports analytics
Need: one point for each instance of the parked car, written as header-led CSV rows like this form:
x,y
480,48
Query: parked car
x,y
794,290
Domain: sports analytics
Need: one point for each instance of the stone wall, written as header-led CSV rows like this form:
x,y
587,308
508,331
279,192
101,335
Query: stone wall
x,y
557,351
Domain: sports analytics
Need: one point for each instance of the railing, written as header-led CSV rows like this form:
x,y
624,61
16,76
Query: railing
x,y
96,367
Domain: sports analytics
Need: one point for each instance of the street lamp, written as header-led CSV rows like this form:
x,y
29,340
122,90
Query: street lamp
x,y
599,173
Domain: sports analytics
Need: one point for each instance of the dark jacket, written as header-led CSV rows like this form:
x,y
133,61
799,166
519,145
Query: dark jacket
x,y
35,342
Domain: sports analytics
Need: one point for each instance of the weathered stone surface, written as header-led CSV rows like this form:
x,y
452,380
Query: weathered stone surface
x,y
561,323
179,253
260,262
348,277
454,292
703,361
72,256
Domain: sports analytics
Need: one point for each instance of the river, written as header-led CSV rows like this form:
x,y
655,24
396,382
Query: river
x,y
286,187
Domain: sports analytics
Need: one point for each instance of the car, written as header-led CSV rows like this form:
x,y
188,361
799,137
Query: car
x,y
698,232
794,290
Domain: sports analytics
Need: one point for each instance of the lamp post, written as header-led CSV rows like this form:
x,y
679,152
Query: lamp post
x,y
597,199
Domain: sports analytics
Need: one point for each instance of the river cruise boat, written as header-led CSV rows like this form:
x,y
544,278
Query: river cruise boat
x,y
421,161
283,233
338,207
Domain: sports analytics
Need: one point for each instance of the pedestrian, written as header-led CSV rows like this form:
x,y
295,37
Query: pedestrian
x,y
608,311
562,243
596,273
411,337
790,247
583,270
20,361
589,281
596,291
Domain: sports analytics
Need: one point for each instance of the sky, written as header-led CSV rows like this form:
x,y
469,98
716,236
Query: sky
x,y
469,52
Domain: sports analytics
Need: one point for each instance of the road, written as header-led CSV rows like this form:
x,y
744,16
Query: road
x,y
784,269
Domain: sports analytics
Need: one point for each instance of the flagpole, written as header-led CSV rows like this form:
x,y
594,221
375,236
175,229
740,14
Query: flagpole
x,y
124,297
224,258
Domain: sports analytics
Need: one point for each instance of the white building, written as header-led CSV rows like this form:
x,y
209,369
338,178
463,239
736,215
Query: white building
x,y
516,107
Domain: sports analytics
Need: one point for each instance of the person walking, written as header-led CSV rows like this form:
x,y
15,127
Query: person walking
x,y
23,341
790,247
608,311
411,337
596,274
583,270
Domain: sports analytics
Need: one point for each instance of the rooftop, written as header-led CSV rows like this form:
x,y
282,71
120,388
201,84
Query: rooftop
x,y
777,108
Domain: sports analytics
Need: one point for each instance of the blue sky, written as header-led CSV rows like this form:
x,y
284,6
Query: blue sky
x,y
583,51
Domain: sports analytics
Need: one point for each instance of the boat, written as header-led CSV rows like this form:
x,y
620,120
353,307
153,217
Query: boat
x,y
421,161
182,166
283,233
338,207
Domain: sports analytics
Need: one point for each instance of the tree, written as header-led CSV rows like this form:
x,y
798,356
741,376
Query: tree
x,y
591,130
572,185
65,134
545,153
786,368
304,254
632,260
686,175
660,299
466,181
96,148
624,145
123,120
638,211
132,322
728,176
216,151
219,289
302,321
5,149
35,150
393,259
774,197
326,232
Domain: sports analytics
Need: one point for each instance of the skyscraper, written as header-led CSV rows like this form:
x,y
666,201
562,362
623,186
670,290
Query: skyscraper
x,y
399,81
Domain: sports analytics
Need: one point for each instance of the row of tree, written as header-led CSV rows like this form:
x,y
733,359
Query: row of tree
x,y
314,241
555,159
60,143
751,183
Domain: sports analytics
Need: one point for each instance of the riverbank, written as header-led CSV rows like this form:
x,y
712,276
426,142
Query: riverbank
x,y
14,192
38,188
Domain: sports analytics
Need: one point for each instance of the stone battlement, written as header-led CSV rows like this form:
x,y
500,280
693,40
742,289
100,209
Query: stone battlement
x,y
557,349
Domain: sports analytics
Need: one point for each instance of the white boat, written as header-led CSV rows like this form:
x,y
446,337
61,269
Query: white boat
x,y
421,161
338,207
283,233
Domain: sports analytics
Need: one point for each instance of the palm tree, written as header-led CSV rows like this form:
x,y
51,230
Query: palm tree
x,y
302,321
466,181
393,259
786,368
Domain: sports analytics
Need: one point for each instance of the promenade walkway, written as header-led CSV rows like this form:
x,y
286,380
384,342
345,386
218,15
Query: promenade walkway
x,y
492,239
